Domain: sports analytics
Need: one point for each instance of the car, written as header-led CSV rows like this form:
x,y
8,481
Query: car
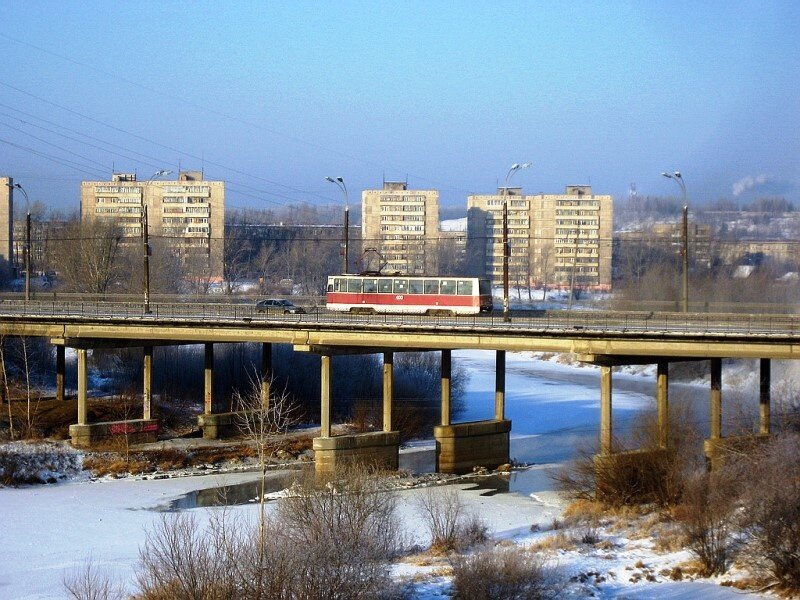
x,y
278,306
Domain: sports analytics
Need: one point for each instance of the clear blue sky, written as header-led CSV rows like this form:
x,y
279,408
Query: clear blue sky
x,y
277,95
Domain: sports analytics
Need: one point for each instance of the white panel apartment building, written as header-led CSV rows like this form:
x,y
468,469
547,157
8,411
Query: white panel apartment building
x,y
556,239
189,214
403,225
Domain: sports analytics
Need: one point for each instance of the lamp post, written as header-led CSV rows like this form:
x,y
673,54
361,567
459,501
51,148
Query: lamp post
x,y
678,178
26,249
339,181
145,231
506,246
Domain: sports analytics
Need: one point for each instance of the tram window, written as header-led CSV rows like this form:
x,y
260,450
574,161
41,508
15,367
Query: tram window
x,y
464,287
370,286
431,286
338,285
401,286
448,287
354,286
415,286
485,287
330,286
385,286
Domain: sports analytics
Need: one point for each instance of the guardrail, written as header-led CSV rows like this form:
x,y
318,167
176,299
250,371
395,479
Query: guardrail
x,y
589,322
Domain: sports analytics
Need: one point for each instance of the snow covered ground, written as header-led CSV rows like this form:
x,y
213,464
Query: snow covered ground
x,y
49,530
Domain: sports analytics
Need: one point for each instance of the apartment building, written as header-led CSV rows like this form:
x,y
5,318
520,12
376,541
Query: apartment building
x,y
403,225
556,239
189,214
6,225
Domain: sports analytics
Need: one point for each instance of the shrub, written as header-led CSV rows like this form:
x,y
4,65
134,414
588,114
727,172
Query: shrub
x,y
706,518
347,528
90,583
449,524
509,574
770,514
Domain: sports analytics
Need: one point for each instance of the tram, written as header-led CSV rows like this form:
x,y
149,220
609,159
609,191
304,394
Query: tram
x,y
371,294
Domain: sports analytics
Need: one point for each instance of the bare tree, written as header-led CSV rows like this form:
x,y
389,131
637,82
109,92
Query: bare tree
x,y
264,424
89,256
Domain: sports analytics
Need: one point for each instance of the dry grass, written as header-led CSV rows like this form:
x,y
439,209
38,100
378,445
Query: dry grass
x,y
553,543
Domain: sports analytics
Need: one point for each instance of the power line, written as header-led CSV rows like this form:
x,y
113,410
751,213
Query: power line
x,y
117,77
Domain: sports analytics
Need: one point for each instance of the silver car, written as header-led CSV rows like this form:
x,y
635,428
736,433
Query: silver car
x,y
278,306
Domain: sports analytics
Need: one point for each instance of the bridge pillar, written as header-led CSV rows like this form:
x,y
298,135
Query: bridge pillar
x,y
500,386
446,369
379,448
662,402
83,382
606,432
60,369
388,389
208,379
147,383
764,396
266,373
716,399
325,397
460,447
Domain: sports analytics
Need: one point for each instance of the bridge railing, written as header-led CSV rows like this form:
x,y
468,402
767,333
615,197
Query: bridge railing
x,y
629,322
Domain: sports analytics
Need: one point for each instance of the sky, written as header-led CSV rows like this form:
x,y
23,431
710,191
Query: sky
x,y
272,97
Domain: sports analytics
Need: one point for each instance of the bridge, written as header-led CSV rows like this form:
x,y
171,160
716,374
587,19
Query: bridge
x,y
607,339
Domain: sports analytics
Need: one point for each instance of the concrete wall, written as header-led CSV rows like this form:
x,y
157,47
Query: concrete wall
x,y
463,446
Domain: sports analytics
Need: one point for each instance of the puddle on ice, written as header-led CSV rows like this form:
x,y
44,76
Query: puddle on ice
x,y
231,495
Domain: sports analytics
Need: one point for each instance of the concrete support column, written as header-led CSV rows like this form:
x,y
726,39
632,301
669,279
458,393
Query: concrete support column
x,y
446,374
60,369
83,382
388,388
500,386
266,373
765,379
716,398
605,411
147,383
662,401
325,397
208,366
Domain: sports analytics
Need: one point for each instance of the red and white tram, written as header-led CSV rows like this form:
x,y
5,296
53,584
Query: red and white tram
x,y
369,294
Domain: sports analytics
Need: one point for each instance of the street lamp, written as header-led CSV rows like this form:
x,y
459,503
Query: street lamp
x,y
160,173
26,249
506,246
678,178
339,181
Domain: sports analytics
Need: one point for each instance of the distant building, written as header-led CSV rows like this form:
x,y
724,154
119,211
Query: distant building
x,y
188,213
556,239
699,235
6,225
403,226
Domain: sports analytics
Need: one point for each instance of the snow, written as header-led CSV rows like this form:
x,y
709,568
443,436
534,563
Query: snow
x,y
454,224
52,529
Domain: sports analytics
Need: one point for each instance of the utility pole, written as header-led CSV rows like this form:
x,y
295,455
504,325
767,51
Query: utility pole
x,y
572,275
28,255
506,244
506,258
146,256
685,257
339,182
678,178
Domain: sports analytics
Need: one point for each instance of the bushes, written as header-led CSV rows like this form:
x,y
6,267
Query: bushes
x,y
449,524
770,515
509,574
706,518
329,539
